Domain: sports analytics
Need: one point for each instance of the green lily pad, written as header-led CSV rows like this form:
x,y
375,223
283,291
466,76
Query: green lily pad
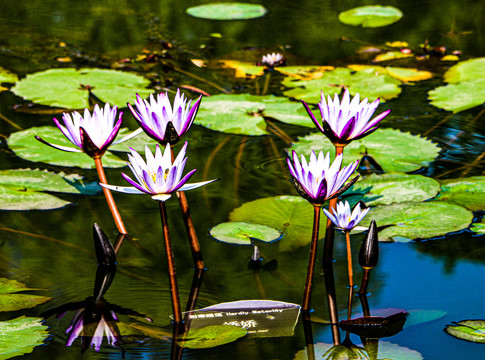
x,y
7,77
395,188
212,336
24,145
407,221
370,16
68,88
469,330
241,233
478,228
366,82
466,88
292,215
467,192
20,188
20,336
392,149
227,11
244,114
10,300
400,73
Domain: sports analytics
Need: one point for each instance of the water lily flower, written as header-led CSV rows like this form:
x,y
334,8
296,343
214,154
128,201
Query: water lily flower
x,y
317,180
343,218
92,134
272,60
347,120
162,122
158,176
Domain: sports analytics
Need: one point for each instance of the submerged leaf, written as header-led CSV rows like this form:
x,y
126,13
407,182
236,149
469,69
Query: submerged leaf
x,y
242,233
211,336
392,149
292,215
371,16
69,88
469,330
23,334
227,11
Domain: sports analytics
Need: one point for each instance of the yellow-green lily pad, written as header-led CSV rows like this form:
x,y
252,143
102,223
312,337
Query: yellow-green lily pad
x,y
11,300
227,11
243,233
20,336
467,192
371,16
469,330
212,336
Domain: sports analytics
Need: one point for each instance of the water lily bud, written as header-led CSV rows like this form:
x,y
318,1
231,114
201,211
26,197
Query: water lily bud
x,y
369,251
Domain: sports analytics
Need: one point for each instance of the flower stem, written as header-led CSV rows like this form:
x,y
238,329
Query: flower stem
x,y
365,281
177,314
190,229
109,197
311,259
349,259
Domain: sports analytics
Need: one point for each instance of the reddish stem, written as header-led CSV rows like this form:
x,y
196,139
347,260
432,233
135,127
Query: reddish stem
x,y
311,259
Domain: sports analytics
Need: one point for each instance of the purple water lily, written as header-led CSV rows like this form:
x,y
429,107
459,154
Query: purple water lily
x,y
92,134
347,120
158,176
343,218
317,180
162,122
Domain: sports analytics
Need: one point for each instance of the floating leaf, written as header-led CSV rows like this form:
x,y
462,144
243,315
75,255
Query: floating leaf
x,y
466,87
212,336
291,215
392,149
244,114
478,228
304,72
24,145
20,336
7,77
68,88
241,233
28,200
467,192
370,16
407,221
366,82
227,11
391,55
469,330
243,69
391,188
10,300
400,73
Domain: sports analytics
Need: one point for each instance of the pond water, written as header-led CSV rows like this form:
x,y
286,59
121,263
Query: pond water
x,y
53,250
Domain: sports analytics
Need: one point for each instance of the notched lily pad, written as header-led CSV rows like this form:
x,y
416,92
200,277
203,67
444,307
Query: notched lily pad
x,y
404,222
227,11
69,88
212,336
244,114
23,334
242,233
469,330
24,145
291,215
366,82
11,300
392,149
371,16
467,192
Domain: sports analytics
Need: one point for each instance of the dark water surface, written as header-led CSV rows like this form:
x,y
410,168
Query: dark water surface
x,y
443,274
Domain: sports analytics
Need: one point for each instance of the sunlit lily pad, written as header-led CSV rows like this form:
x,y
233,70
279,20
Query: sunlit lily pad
x,y
11,300
371,16
469,330
366,82
241,233
212,336
466,88
412,220
227,11
391,55
243,69
244,114
292,215
24,145
20,188
391,188
20,336
467,192
68,88
392,149
7,77
400,73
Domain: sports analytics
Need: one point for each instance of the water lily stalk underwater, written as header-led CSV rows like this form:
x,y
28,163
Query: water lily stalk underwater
x,y
92,134
166,124
159,177
317,181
